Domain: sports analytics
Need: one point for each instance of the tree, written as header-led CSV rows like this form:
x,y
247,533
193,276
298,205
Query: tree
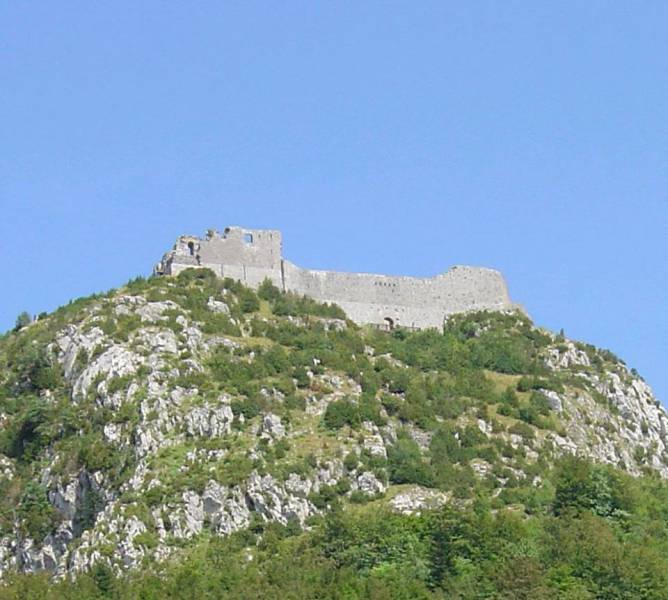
x,y
23,320
248,300
268,291
406,464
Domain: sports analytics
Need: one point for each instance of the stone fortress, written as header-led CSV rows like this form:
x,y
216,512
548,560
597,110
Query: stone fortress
x,y
251,255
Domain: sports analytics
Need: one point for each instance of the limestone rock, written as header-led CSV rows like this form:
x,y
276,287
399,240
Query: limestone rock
x,y
418,499
217,306
297,486
329,473
226,509
209,420
72,342
158,341
7,555
565,356
117,361
373,441
273,503
553,399
369,484
420,437
151,312
7,469
272,427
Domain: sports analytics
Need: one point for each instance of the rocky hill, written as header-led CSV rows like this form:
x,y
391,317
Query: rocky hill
x,y
138,424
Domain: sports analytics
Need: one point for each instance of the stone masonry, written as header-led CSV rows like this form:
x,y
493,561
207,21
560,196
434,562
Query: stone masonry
x,y
251,255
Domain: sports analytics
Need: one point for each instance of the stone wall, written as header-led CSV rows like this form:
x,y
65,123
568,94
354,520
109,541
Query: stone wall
x,y
250,256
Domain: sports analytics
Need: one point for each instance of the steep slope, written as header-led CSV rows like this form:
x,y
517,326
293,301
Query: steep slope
x,y
136,422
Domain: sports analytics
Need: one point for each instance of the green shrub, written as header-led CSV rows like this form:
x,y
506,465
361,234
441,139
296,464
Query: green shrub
x,y
406,465
268,291
359,497
29,431
23,320
326,495
248,407
509,398
248,300
39,518
220,324
196,275
340,413
33,367
540,403
507,411
148,539
117,384
345,412
527,384
92,503
300,374
523,430
290,304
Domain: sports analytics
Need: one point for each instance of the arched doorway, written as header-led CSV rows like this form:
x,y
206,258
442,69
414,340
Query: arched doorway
x,y
389,323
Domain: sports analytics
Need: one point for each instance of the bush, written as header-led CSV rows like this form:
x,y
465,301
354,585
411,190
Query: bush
x,y
38,516
345,412
406,465
327,495
509,398
29,432
369,410
148,539
527,384
290,304
248,407
340,413
301,377
268,291
33,366
23,320
196,275
220,324
540,403
523,430
248,300
117,384
444,451
97,455
581,486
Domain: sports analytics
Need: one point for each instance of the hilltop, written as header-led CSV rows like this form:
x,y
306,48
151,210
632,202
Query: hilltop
x,y
192,435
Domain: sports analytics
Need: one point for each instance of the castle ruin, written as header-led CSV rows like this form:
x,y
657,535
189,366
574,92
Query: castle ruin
x,y
253,255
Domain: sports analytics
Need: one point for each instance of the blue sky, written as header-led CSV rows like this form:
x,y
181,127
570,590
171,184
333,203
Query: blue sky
x,y
395,137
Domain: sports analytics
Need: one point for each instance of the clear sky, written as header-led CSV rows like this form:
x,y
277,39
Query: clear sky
x,y
396,137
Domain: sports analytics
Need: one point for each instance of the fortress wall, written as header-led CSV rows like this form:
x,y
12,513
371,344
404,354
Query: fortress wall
x,y
250,276
401,316
473,288
408,301
250,256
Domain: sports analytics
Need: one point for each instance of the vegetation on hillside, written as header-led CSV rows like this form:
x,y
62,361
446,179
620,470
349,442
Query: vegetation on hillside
x,y
599,534
468,411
